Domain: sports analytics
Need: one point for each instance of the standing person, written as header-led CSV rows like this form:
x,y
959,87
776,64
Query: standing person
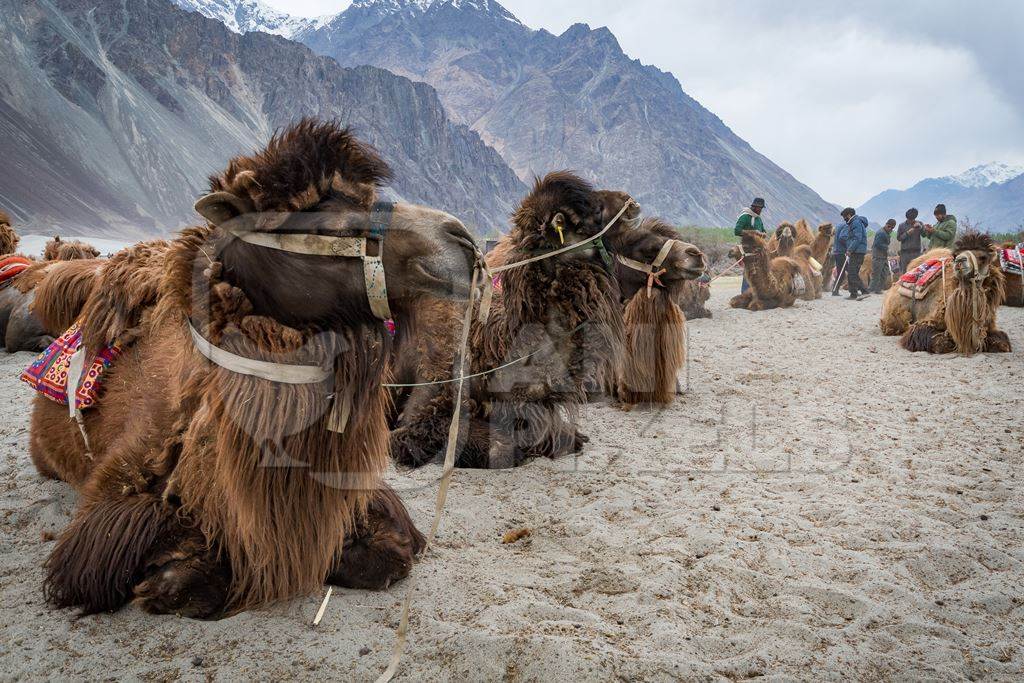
x,y
943,233
840,249
909,237
750,219
881,274
856,249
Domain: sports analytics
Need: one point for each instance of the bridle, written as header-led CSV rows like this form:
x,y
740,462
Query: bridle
x,y
653,270
342,247
312,245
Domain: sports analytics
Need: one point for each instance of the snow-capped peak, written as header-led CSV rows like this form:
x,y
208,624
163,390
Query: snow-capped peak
x,y
247,16
385,7
986,174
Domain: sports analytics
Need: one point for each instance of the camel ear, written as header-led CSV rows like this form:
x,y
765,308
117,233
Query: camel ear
x,y
220,207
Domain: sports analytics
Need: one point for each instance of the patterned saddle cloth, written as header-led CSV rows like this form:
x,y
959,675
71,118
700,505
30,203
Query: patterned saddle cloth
x,y
916,284
11,267
1010,260
62,370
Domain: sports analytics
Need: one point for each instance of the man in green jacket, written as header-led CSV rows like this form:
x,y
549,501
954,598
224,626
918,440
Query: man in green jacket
x,y
750,219
943,233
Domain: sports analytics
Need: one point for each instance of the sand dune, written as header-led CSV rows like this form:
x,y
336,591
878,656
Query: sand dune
x,y
820,505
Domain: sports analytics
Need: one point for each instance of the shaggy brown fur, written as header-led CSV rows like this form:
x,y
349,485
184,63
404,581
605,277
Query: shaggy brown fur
x,y
644,371
63,292
773,281
959,313
211,491
655,349
8,238
564,310
61,250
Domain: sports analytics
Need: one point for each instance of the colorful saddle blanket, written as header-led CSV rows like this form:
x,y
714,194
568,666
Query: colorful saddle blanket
x,y
1010,260
50,374
916,283
11,267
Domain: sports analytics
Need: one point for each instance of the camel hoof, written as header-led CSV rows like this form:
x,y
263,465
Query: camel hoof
x,y
186,588
383,549
997,342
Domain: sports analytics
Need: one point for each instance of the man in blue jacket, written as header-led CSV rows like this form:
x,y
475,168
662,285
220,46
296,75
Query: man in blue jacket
x,y
856,249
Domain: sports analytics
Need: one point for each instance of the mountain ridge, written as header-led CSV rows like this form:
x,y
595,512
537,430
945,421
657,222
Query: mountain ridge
x,y
146,100
574,100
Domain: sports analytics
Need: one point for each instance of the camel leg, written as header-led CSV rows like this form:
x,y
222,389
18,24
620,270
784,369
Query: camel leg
x,y
742,300
997,341
382,548
928,338
102,554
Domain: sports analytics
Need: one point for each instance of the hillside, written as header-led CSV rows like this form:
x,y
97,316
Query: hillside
x,y
570,101
112,114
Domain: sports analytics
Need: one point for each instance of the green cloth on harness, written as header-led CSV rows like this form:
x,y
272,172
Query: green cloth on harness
x,y
748,220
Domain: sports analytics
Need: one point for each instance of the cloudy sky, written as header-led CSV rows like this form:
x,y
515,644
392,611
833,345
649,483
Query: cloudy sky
x,y
851,97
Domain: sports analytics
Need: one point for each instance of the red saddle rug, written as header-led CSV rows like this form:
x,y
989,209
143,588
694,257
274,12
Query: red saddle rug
x,y
11,267
1010,260
50,374
924,274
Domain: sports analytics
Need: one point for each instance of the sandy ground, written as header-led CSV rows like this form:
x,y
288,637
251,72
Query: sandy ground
x,y
820,505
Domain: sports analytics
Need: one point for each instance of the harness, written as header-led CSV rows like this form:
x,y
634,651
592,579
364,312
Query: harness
x,y
653,270
344,247
313,245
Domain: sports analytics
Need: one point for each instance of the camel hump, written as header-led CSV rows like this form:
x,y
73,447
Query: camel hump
x,y
126,285
63,292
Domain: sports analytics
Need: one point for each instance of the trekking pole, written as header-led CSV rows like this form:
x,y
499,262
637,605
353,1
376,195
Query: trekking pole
x,y
839,276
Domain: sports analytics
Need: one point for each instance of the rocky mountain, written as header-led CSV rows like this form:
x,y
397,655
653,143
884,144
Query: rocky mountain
x,y
113,113
990,195
569,101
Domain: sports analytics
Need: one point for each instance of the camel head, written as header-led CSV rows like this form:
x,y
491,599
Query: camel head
x,y
753,242
8,238
644,243
612,202
316,178
973,258
826,230
785,234
562,210
736,252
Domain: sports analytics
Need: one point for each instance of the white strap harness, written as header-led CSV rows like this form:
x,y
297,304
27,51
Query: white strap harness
x,y
312,245
343,247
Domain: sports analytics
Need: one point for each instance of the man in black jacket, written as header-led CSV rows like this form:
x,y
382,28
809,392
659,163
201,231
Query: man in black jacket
x,y
909,237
